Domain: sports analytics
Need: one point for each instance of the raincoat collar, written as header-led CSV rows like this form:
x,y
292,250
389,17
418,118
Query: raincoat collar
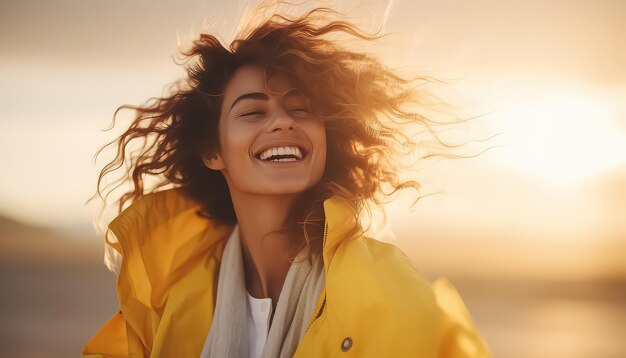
x,y
341,225
175,209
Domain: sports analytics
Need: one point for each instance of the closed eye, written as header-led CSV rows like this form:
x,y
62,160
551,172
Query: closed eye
x,y
253,113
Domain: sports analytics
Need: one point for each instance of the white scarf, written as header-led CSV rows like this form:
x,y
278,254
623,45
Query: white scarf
x,y
228,336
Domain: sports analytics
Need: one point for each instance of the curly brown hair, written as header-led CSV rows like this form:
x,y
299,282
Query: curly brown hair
x,y
364,105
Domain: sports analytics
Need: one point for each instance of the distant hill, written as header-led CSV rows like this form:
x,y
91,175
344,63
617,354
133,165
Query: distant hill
x,y
23,243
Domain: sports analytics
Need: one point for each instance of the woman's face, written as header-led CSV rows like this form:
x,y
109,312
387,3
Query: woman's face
x,y
269,142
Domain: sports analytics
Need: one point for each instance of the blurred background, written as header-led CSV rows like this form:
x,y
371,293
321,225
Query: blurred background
x,y
532,232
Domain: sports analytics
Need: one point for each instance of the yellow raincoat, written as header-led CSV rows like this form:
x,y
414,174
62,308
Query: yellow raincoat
x,y
375,302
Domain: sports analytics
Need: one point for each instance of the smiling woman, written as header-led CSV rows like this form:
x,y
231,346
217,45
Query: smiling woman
x,y
274,147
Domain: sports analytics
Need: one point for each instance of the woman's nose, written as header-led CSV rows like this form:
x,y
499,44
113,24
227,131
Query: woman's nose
x,y
281,121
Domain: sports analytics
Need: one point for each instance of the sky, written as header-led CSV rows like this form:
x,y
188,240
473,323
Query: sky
x,y
550,75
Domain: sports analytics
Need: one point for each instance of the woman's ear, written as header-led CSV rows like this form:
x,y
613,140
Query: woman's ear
x,y
213,160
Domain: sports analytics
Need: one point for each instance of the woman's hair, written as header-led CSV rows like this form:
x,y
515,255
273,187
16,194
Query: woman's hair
x,y
364,105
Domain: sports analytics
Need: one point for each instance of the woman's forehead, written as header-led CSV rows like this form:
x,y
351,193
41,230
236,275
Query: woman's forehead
x,y
254,78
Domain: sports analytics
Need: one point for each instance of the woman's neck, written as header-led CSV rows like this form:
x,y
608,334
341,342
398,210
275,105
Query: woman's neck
x,y
266,260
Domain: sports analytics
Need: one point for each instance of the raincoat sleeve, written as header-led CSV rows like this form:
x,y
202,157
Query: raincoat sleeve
x,y
111,341
460,338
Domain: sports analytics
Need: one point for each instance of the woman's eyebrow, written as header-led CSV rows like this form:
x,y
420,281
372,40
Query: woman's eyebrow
x,y
252,95
263,96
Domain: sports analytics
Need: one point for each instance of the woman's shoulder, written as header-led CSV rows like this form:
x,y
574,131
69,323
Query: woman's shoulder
x,y
161,237
382,260
163,221
378,285
153,210
379,272
378,297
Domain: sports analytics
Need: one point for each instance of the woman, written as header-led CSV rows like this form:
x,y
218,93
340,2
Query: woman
x,y
272,150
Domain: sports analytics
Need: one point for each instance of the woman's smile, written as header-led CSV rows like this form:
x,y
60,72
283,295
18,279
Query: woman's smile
x,y
283,156
277,154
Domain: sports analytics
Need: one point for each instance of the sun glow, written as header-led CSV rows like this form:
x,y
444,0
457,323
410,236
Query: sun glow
x,y
564,135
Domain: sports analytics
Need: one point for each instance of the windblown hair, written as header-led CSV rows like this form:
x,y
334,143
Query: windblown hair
x,y
363,103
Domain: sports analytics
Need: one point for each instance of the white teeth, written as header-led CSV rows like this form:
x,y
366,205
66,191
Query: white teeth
x,y
284,160
281,151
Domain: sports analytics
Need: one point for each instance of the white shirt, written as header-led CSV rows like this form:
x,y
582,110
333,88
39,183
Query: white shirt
x,y
259,313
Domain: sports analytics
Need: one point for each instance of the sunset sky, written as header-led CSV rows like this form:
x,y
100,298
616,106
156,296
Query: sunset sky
x,y
551,75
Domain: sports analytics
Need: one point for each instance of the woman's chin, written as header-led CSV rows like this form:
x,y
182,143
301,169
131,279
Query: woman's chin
x,y
283,188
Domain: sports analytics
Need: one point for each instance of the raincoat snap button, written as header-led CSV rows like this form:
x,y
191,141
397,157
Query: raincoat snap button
x,y
346,344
